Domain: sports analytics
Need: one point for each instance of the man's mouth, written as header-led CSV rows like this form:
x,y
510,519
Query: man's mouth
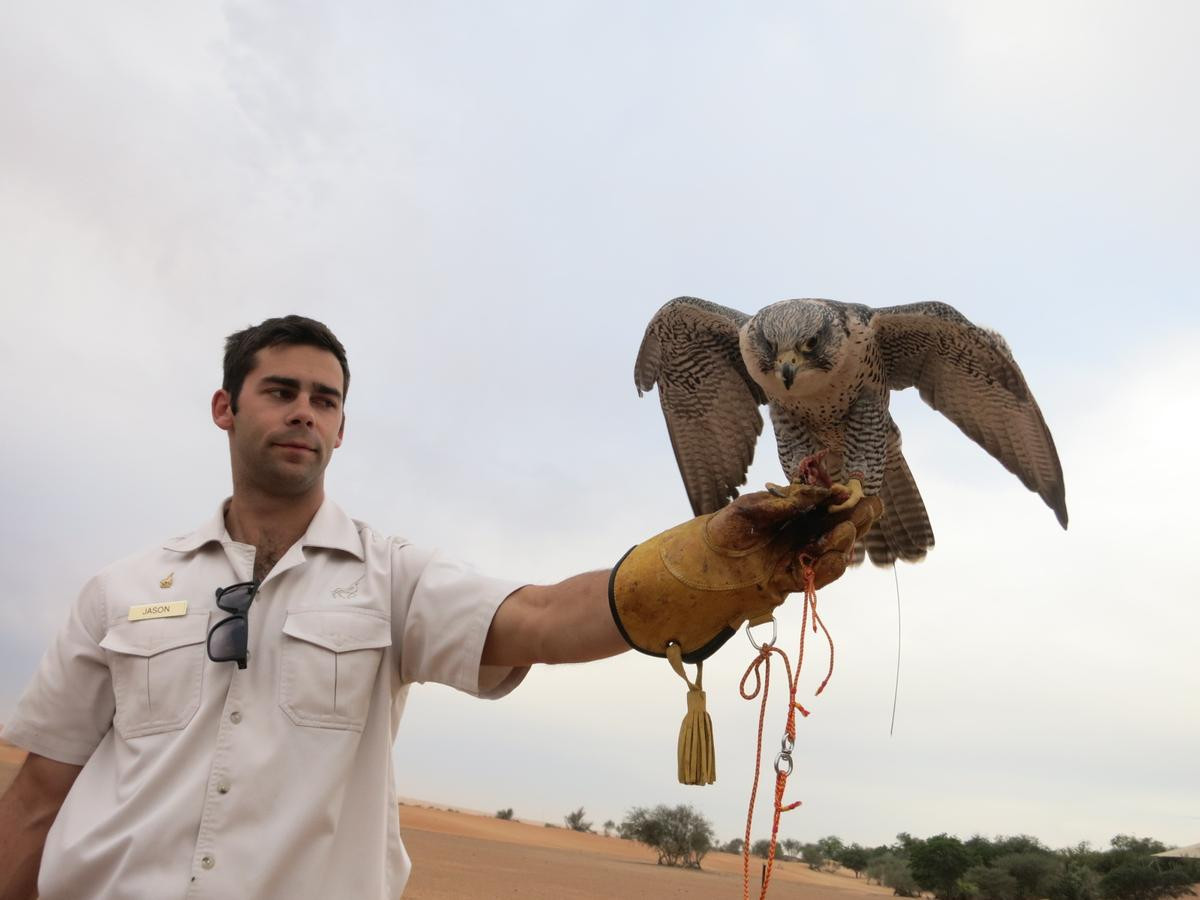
x,y
294,446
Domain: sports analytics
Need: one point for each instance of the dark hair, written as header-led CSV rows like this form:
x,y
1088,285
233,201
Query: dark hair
x,y
242,346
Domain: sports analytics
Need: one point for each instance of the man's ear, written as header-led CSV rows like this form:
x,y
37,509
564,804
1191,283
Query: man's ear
x,y
222,410
341,432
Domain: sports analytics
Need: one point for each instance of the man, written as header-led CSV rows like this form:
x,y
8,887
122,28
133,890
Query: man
x,y
216,718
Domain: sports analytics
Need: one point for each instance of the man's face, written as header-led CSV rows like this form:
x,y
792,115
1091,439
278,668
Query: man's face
x,y
289,419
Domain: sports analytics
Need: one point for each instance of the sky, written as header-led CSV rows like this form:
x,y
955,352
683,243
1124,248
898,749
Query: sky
x,y
488,202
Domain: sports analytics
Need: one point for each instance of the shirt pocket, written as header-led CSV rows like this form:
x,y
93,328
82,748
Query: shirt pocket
x,y
157,668
328,666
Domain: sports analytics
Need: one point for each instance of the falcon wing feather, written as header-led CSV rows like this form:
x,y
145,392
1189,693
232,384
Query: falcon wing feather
x,y
708,399
968,373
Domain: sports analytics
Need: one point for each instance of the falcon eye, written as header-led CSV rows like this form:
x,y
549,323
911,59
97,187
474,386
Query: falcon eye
x,y
809,346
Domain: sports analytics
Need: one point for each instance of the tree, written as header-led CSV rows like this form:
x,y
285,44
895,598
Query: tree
x,y
831,847
1019,843
761,848
1129,871
505,814
733,846
1032,870
891,870
1143,881
937,863
791,846
609,826
1074,882
812,856
679,834
575,821
855,858
988,883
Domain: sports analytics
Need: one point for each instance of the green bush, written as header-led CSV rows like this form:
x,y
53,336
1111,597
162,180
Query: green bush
x,y
679,834
576,822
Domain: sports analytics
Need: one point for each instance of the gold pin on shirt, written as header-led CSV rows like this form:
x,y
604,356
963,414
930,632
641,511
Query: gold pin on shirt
x,y
167,582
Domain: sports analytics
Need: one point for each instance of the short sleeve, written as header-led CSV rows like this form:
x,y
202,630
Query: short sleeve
x,y
441,613
68,706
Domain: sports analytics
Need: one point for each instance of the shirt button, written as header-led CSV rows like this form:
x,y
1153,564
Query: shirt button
x,y
223,787
235,717
207,862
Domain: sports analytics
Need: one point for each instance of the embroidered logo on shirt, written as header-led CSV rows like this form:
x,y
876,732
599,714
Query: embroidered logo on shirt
x,y
167,582
350,591
157,610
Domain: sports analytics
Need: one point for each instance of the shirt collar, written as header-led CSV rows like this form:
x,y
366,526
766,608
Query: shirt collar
x,y
330,529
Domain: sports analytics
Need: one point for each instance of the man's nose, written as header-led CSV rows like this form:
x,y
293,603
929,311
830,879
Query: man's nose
x,y
301,413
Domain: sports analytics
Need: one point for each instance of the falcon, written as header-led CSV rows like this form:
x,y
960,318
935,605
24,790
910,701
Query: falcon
x,y
826,370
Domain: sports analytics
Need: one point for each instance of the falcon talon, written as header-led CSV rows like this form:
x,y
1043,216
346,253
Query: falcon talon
x,y
854,487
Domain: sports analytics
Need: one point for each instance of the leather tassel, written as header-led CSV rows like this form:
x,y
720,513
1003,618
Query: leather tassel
x,y
697,751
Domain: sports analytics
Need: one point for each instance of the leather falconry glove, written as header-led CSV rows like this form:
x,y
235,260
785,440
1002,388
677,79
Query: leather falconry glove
x,y
695,584
683,593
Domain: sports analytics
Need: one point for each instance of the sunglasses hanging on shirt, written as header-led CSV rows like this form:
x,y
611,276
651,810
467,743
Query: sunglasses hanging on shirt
x,y
227,640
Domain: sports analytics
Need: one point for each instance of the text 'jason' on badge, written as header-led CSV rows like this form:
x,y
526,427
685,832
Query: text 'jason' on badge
x,y
158,610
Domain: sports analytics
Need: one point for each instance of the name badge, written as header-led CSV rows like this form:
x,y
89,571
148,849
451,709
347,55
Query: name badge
x,y
157,610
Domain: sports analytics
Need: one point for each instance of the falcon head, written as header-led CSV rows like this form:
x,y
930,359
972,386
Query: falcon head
x,y
792,344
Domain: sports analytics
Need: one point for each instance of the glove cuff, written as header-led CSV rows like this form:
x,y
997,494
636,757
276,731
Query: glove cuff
x,y
679,588
699,654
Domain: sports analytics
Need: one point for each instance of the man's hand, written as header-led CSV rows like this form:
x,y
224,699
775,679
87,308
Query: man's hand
x,y
695,584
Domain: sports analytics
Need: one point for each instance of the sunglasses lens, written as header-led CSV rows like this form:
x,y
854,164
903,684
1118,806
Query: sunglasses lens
x,y
227,641
236,599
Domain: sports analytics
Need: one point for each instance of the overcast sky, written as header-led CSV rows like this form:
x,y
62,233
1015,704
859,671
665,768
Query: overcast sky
x,y
488,201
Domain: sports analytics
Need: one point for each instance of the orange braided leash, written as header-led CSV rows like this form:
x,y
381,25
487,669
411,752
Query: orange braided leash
x,y
783,761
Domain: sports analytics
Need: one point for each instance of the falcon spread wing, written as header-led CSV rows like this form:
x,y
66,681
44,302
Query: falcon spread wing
x,y
708,399
968,374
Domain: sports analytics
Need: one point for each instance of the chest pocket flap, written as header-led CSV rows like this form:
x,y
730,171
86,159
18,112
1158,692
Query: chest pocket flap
x,y
329,666
157,668
150,637
339,630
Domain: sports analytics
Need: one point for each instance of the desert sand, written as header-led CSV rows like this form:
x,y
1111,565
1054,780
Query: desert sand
x,y
459,855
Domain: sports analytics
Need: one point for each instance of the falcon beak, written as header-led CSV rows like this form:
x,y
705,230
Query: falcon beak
x,y
788,372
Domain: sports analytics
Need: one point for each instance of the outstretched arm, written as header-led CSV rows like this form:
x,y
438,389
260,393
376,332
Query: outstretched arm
x,y
555,623
691,585
27,810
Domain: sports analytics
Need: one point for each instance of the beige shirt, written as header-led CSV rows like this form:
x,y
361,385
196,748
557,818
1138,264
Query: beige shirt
x,y
200,780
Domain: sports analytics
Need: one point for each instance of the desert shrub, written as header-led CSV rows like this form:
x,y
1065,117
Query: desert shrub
x,y
505,814
679,834
576,822
733,846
